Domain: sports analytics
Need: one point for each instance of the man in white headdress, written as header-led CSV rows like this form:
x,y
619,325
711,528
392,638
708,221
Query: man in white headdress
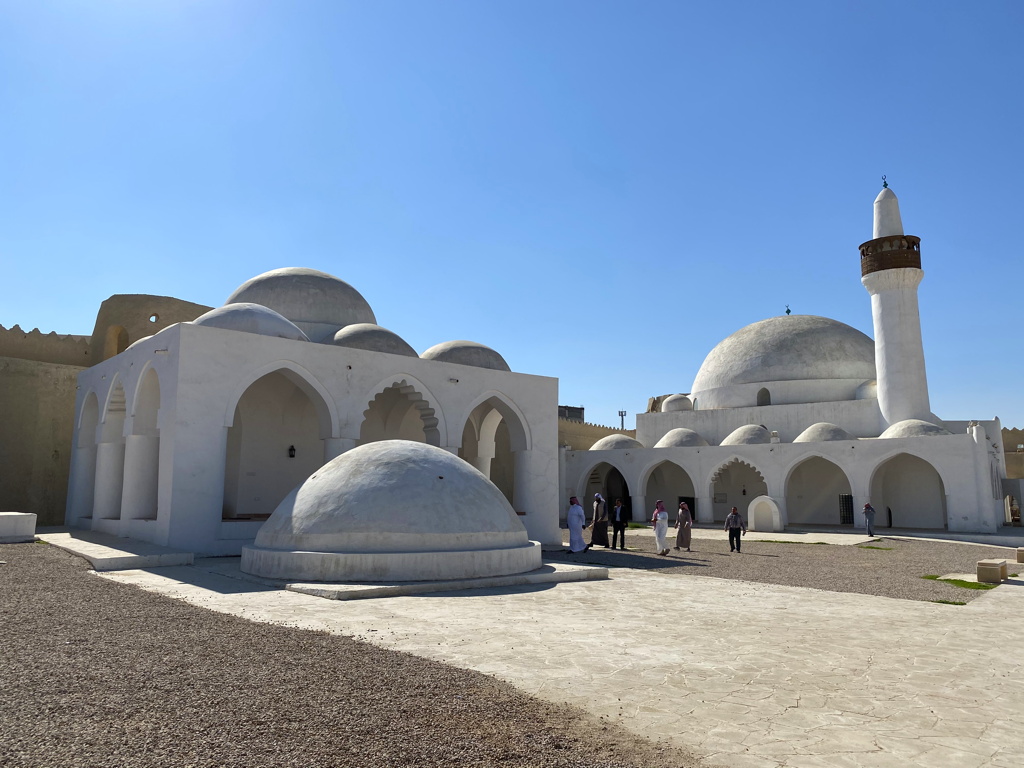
x,y
577,520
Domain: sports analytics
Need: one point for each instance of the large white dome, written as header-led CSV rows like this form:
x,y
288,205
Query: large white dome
x,y
318,303
393,510
817,360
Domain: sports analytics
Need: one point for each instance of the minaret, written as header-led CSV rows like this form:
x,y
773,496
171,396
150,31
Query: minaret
x,y
890,267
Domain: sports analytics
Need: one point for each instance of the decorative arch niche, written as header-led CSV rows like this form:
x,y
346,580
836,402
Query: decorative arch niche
x,y
735,484
400,412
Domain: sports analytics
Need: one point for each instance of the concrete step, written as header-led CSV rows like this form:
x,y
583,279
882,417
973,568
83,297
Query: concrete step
x,y
113,553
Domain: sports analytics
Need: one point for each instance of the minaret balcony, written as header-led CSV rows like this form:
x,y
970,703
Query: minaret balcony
x,y
893,252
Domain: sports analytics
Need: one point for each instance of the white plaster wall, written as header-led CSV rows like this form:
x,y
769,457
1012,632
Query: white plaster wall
x,y
782,393
813,490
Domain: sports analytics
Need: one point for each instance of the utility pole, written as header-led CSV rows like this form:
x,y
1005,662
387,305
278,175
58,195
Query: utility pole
x,y
622,420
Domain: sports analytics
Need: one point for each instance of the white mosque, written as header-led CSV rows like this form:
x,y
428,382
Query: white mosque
x,y
249,430
801,420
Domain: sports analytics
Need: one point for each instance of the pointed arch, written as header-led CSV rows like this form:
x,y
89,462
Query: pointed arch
x,y
323,402
518,426
671,482
88,419
908,491
415,395
735,483
813,487
145,403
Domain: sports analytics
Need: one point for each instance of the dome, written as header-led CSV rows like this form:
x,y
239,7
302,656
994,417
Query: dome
x,y
615,442
752,434
250,318
392,510
823,432
316,302
676,403
914,428
373,338
680,437
822,359
466,353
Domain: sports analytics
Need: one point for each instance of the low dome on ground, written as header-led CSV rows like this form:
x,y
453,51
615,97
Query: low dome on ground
x,y
393,510
466,353
752,434
372,338
676,403
615,442
914,428
251,318
823,432
318,303
681,437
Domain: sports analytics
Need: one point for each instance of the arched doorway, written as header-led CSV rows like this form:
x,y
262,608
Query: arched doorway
x,y
764,397
399,412
609,482
813,490
142,453
491,439
735,484
83,479
911,490
274,443
670,483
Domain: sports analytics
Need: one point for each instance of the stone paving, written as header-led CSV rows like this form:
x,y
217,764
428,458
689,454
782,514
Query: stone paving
x,y
749,675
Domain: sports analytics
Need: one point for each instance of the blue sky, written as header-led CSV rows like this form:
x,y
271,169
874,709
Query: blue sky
x,y
601,191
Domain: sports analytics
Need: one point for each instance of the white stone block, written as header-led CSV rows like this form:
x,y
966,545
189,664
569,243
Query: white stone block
x,y
16,527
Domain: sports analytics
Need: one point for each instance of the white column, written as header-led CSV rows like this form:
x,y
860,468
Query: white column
x,y
81,486
141,473
535,492
196,499
705,509
109,481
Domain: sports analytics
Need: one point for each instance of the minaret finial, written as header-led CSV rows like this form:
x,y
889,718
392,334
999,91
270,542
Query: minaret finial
x,y
788,310
885,184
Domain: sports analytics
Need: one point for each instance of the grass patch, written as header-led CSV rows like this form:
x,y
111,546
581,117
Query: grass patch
x,y
781,541
637,525
949,602
961,583
872,546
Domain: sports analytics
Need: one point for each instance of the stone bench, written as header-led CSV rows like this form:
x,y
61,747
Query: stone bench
x,y
16,527
992,571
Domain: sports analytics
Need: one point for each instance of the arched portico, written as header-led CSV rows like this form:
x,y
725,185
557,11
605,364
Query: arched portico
x,y
82,483
909,489
110,461
735,484
608,480
142,452
814,487
493,440
671,483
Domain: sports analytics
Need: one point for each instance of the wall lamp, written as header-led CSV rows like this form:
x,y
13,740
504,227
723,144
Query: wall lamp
x,y
291,451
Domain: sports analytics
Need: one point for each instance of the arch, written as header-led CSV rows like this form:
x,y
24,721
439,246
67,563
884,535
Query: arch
x,y
394,409
146,402
142,451
912,489
115,341
88,420
813,486
734,483
519,428
326,409
275,442
115,409
764,397
596,479
670,482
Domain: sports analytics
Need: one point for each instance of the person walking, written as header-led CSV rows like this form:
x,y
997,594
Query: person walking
x,y
869,519
660,520
599,523
619,520
577,520
684,526
734,525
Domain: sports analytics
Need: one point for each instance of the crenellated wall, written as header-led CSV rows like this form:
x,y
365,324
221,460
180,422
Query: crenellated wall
x,y
580,435
45,347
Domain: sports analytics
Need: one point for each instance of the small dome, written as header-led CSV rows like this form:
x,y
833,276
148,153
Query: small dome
x,y
867,391
615,443
392,510
680,437
318,303
466,353
823,432
251,318
676,403
812,352
372,338
137,341
752,434
914,428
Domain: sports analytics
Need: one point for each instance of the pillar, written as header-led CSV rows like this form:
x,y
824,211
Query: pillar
x,y
141,474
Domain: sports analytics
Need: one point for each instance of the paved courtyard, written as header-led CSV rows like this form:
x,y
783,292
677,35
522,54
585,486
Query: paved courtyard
x,y
746,674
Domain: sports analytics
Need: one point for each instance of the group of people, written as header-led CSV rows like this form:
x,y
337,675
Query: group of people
x,y
577,520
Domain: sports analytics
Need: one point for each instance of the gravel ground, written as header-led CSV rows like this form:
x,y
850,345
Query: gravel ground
x,y
894,569
94,673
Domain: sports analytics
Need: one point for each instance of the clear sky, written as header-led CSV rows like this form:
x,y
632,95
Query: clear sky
x,y
601,191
